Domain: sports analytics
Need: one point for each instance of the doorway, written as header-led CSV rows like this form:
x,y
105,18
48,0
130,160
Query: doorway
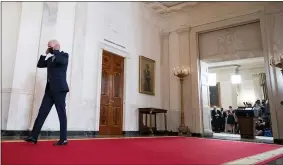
x,y
231,85
111,96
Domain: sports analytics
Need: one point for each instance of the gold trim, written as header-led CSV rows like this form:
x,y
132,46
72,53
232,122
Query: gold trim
x,y
140,90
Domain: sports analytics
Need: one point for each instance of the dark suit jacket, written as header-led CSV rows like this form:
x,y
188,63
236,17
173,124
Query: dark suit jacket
x,y
56,71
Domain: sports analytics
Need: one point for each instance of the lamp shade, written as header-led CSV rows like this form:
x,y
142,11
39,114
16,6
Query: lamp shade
x,y
212,79
236,79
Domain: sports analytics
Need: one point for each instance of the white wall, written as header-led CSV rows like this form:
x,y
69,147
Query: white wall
x,y
228,90
81,29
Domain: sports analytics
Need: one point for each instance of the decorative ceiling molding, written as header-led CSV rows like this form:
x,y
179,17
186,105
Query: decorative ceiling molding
x,y
250,63
165,35
50,10
183,29
169,7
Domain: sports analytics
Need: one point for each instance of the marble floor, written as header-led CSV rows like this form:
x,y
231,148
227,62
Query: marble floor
x,y
258,139
227,136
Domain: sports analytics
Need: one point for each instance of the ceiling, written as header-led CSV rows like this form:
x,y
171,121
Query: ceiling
x,y
169,7
247,63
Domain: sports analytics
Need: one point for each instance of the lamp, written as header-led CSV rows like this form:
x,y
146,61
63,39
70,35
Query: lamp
x,y
277,63
212,79
181,73
236,79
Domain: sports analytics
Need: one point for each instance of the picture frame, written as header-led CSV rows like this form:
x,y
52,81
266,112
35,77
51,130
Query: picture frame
x,y
146,76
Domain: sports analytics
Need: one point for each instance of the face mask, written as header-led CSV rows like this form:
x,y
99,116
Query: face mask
x,y
50,50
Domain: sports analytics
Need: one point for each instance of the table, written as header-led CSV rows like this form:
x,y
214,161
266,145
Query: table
x,y
143,128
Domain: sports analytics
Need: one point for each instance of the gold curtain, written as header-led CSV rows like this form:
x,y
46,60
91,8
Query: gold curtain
x,y
262,82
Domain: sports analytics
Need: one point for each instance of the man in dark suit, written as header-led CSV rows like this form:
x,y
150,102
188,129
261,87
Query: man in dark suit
x,y
55,91
213,119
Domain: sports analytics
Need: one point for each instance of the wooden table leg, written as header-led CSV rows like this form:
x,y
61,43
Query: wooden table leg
x,y
150,122
155,122
146,120
165,121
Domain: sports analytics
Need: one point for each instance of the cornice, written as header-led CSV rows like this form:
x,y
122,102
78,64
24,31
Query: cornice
x,y
185,29
165,35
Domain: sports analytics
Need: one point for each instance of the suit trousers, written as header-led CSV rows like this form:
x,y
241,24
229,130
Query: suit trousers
x,y
50,98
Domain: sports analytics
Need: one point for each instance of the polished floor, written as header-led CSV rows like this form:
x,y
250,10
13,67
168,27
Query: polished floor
x,y
236,137
258,139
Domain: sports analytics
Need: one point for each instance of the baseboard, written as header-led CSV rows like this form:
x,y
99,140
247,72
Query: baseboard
x,y
131,133
196,135
278,141
20,133
47,133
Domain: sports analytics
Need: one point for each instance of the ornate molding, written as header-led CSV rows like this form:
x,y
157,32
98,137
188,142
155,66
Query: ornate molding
x,y
50,10
165,35
273,8
181,30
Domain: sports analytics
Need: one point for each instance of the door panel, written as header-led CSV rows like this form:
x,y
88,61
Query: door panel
x,y
117,95
205,98
105,96
111,111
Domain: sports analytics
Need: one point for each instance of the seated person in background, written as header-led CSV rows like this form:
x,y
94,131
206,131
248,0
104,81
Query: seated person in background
x,y
260,127
257,108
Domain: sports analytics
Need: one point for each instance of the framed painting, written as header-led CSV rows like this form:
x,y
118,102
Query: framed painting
x,y
146,76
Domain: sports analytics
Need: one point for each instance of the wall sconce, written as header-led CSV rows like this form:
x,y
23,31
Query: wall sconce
x,y
277,63
181,73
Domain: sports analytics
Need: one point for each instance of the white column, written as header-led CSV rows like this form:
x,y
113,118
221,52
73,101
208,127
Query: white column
x,y
92,64
174,83
76,85
184,60
47,33
11,16
272,24
64,33
25,66
165,78
165,70
1,75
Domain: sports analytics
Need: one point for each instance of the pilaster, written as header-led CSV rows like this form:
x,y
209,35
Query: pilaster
x,y
272,24
184,49
25,66
64,33
165,70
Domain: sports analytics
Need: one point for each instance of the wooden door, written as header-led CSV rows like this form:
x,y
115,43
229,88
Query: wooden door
x,y
111,103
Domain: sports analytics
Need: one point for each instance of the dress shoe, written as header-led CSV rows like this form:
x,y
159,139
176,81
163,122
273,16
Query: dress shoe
x,y
61,143
31,140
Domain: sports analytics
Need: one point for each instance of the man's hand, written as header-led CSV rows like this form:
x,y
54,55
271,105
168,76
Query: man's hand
x,y
47,51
